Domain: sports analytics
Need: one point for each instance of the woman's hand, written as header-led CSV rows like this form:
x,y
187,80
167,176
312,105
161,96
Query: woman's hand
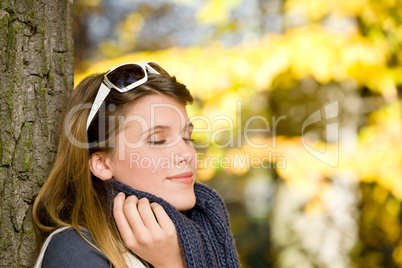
x,y
148,231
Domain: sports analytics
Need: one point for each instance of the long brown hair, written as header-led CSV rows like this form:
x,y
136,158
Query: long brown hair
x,y
72,195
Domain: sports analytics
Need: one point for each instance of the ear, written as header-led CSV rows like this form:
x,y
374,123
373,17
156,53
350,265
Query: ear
x,y
99,164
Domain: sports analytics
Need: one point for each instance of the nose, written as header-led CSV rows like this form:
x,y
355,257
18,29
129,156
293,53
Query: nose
x,y
184,153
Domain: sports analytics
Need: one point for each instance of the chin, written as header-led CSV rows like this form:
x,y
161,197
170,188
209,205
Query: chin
x,y
184,203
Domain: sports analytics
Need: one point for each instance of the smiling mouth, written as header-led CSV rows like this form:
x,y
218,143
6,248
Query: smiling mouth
x,y
186,178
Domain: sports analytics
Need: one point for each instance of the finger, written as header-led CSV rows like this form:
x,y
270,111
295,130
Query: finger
x,y
147,215
133,217
122,224
162,217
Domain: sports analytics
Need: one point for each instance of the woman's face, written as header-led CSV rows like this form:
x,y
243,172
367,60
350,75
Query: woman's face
x,y
154,153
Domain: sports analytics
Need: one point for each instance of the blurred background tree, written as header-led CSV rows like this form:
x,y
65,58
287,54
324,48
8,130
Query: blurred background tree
x,y
316,87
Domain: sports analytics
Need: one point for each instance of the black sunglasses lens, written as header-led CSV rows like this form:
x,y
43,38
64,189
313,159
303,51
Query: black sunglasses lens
x,y
159,69
126,75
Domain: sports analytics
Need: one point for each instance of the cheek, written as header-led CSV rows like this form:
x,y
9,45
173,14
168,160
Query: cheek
x,y
143,163
152,163
139,171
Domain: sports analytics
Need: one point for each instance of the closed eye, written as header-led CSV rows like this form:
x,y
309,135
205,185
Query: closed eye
x,y
157,142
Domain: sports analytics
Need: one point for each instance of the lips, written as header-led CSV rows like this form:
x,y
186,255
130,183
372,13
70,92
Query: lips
x,y
186,178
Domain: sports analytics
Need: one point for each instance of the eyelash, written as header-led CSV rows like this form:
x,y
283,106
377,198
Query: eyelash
x,y
163,141
157,142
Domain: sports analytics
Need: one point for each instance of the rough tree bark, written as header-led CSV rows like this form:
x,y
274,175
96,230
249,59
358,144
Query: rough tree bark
x,y
36,77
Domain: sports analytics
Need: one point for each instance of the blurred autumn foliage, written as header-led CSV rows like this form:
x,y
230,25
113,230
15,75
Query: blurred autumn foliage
x,y
298,126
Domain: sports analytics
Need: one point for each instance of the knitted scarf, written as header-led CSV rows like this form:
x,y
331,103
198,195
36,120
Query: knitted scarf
x,y
204,232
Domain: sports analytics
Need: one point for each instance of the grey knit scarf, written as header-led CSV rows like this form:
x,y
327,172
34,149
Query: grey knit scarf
x,y
204,232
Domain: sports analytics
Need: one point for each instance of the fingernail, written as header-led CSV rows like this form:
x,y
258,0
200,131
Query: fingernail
x,y
121,193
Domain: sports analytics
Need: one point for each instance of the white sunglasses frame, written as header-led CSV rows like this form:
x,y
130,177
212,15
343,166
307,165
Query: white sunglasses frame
x,y
106,86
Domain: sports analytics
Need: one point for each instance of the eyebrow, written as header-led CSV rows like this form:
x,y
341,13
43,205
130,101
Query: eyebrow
x,y
162,127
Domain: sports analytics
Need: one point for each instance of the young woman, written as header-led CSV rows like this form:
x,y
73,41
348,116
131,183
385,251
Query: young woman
x,y
122,191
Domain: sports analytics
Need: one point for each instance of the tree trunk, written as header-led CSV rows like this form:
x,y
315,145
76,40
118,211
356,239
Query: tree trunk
x,y
36,78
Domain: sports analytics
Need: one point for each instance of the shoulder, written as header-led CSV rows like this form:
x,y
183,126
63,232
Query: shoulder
x,y
68,249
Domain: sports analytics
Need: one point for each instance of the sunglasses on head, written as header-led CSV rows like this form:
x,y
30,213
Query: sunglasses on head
x,y
124,78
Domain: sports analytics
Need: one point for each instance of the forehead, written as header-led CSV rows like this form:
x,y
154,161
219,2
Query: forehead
x,y
155,110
